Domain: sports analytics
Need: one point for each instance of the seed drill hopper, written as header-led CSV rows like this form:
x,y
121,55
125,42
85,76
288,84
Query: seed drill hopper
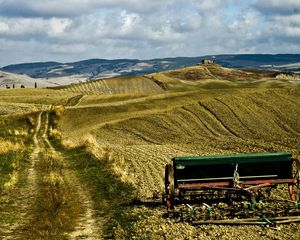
x,y
233,189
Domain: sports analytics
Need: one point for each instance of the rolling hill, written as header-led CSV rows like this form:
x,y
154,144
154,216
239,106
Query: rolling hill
x,y
103,68
97,150
202,76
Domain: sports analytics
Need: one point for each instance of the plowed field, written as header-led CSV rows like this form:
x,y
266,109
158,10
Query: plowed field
x,y
144,135
128,129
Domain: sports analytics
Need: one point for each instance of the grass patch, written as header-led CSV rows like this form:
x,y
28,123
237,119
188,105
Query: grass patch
x,y
13,166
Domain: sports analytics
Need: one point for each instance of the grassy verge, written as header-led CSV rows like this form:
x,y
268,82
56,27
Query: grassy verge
x,y
13,165
112,198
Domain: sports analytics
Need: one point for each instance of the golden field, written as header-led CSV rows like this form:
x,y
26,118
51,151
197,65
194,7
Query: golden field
x,y
114,137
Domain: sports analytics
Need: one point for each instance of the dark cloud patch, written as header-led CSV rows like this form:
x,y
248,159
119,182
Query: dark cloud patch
x,y
73,8
45,8
277,7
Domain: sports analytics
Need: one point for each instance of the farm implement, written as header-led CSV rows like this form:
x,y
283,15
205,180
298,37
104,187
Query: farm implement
x,y
233,189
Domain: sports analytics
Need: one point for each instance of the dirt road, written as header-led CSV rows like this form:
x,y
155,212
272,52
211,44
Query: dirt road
x,y
31,203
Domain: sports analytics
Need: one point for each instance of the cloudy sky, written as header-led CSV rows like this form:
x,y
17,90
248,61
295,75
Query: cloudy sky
x,y
71,30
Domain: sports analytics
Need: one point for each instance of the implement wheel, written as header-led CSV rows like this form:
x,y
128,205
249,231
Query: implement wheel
x,y
294,189
169,186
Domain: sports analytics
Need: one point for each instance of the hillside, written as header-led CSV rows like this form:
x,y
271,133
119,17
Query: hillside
x,y
142,135
91,155
104,68
11,79
202,76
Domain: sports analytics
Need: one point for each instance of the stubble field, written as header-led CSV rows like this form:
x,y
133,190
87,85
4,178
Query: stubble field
x,y
115,146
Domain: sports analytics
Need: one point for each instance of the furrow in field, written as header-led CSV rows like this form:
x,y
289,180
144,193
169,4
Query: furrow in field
x,y
242,124
95,87
271,114
217,119
210,133
283,120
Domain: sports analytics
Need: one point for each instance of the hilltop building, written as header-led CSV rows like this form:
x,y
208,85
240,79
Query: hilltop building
x,y
208,61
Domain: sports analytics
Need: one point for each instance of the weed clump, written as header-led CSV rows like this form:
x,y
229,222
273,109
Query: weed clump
x,y
53,179
6,146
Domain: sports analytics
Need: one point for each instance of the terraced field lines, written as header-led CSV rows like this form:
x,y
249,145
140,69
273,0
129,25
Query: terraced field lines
x,y
94,87
107,88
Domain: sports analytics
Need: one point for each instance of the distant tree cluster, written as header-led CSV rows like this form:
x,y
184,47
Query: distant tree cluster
x,y
22,86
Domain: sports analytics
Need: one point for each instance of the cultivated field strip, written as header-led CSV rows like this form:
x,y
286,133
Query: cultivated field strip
x,y
145,164
125,85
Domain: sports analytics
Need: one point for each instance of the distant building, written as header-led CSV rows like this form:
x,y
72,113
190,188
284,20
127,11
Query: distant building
x,y
208,61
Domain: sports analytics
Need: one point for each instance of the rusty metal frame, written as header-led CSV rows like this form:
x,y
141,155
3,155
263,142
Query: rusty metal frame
x,y
254,183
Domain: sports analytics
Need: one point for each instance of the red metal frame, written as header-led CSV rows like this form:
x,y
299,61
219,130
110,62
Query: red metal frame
x,y
263,183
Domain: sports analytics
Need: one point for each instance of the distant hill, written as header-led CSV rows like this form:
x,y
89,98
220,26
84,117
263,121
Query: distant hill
x,y
202,76
103,68
13,80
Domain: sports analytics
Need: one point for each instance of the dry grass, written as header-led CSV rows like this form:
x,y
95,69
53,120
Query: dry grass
x,y
34,98
58,110
55,210
12,181
121,85
211,122
6,146
213,76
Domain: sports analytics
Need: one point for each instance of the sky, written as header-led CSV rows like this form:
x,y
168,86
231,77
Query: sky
x,y
72,30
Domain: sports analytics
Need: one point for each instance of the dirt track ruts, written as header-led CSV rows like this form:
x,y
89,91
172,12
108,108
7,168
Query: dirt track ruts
x,y
86,224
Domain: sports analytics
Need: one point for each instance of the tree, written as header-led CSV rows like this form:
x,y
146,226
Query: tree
x,y
35,85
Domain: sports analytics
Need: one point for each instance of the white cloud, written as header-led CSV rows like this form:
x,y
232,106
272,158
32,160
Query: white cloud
x,y
66,30
58,26
4,28
28,27
282,21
